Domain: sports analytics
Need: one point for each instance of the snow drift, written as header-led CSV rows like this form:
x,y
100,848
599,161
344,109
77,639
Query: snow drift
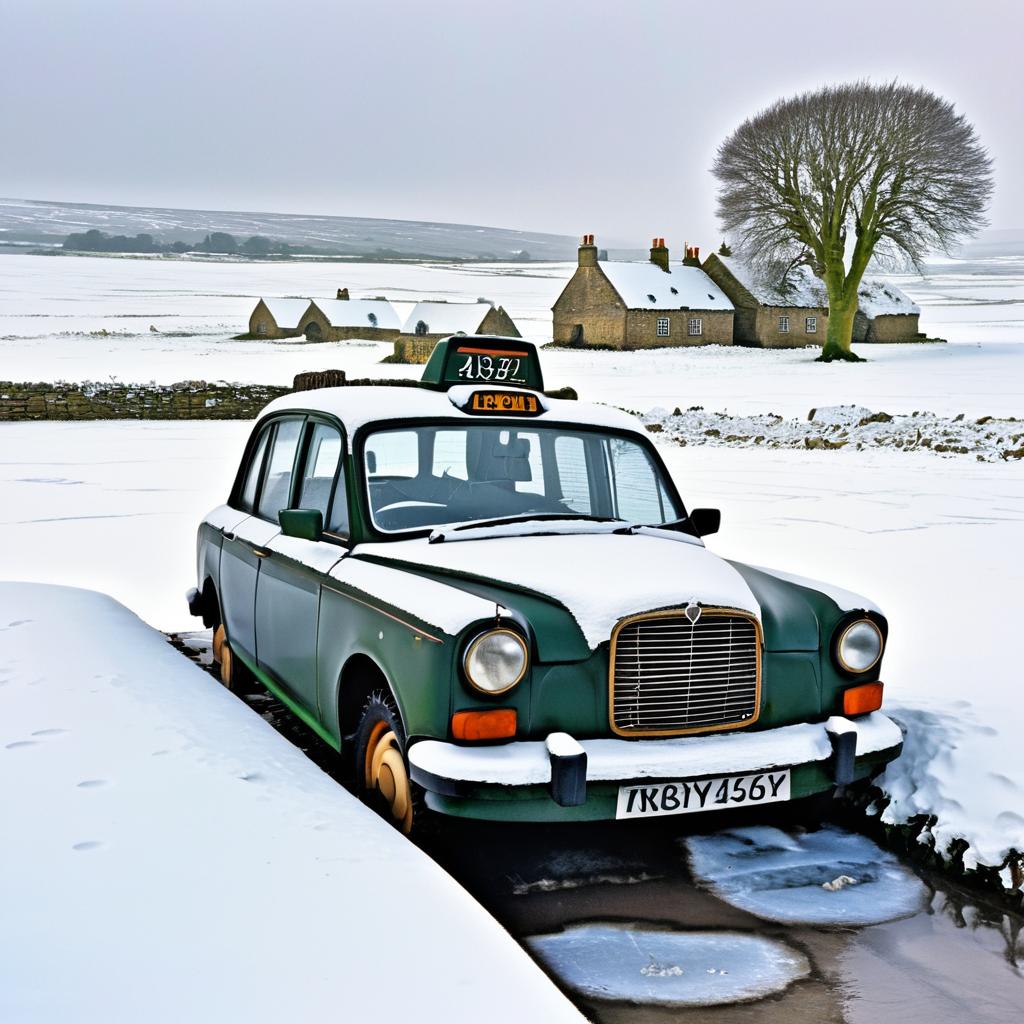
x,y
168,856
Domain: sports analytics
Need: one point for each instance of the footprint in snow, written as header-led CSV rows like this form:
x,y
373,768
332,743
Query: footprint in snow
x,y
16,622
88,844
91,783
20,743
49,732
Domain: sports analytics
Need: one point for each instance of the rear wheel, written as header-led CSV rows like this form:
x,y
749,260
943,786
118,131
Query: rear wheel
x,y
381,771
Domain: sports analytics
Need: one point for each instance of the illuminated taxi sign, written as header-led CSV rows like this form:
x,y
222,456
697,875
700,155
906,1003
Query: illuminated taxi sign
x,y
502,403
477,359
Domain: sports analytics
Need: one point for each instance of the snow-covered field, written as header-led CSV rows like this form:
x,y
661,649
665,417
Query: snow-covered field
x,y
52,307
935,541
168,856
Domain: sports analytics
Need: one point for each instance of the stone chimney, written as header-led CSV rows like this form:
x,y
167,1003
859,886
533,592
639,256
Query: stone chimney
x,y
588,252
342,293
659,253
691,257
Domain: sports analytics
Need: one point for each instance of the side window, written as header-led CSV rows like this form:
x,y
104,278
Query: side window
x,y
252,478
277,483
571,459
322,460
636,492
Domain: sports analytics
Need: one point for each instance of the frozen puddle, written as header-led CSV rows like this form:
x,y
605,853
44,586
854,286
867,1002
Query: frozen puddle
x,y
829,877
634,965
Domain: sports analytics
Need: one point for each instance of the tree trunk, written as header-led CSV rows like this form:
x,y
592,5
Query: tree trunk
x,y
841,314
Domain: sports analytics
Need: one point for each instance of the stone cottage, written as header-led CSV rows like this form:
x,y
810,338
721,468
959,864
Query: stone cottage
x,y
885,314
772,311
624,305
430,321
344,318
277,318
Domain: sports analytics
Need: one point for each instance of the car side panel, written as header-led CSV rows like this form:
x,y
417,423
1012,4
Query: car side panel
x,y
417,660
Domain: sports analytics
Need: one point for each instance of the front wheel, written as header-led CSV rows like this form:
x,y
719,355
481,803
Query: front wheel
x,y
233,674
382,775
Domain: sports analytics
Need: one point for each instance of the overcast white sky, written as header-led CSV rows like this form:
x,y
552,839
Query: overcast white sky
x,y
563,115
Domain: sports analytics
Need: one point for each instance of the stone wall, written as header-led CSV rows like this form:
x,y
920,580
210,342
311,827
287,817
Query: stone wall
x,y
768,335
642,327
415,348
187,400
590,300
894,328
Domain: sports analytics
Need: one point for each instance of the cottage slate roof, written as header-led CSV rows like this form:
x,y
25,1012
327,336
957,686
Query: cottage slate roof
x,y
447,317
357,313
803,289
647,286
880,298
800,290
286,312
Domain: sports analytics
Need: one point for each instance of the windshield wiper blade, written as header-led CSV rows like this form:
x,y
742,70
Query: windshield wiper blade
x,y
440,532
674,524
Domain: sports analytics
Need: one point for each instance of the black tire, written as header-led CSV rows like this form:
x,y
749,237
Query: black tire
x,y
379,719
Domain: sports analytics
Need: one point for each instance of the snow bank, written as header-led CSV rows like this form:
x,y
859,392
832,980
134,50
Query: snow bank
x,y
170,857
986,438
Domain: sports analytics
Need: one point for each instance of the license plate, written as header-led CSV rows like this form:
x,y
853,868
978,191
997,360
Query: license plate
x,y
715,794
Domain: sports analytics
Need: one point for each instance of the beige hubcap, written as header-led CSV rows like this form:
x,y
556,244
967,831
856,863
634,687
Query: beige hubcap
x,y
222,655
385,772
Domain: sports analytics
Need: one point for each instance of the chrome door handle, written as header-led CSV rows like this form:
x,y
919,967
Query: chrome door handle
x,y
260,553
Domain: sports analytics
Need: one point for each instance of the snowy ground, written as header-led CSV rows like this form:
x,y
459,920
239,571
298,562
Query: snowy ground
x,y
114,506
935,541
51,309
171,841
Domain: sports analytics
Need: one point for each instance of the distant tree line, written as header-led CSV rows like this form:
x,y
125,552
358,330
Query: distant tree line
x,y
215,242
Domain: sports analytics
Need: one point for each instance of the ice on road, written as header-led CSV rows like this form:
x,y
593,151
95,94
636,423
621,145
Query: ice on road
x,y
671,968
824,878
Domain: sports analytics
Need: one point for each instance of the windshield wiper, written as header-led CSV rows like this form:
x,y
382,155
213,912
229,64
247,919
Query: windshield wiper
x,y
439,533
675,524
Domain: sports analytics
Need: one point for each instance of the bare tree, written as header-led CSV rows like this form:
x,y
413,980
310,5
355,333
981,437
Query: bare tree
x,y
835,177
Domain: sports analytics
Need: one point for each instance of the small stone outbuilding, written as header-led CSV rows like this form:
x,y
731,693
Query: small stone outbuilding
x,y
784,310
342,319
886,314
429,322
277,318
613,304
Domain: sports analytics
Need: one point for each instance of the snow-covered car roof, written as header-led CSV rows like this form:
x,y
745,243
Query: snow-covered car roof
x,y
357,406
647,286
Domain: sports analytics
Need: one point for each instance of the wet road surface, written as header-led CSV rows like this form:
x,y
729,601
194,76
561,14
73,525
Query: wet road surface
x,y
955,959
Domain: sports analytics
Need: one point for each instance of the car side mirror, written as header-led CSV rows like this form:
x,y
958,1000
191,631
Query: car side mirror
x,y
304,523
705,521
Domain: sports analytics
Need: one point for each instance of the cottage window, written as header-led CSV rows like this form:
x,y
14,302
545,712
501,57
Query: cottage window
x,y
662,326
811,325
783,325
372,317
261,327
696,327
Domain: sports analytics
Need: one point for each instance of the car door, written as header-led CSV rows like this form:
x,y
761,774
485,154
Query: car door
x,y
288,588
239,562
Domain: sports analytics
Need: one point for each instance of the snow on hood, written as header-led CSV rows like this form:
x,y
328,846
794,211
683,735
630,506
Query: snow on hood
x,y
600,579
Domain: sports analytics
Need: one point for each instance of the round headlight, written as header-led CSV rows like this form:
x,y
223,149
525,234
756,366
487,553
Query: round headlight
x,y
860,646
495,661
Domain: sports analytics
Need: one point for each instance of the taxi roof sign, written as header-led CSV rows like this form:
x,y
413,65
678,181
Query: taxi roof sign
x,y
483,359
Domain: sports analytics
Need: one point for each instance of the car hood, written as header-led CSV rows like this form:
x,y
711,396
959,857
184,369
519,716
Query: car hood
x,y
600,579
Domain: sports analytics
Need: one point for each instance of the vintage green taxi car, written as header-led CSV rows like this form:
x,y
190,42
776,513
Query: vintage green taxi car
x,y
495,603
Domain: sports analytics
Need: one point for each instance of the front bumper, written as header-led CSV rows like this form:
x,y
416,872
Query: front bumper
x,y
551,781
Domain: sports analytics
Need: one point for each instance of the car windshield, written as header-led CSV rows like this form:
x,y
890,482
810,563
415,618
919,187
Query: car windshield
x,y
422,476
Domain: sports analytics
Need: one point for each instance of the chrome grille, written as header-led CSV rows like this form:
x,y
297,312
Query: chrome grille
x,y
672,676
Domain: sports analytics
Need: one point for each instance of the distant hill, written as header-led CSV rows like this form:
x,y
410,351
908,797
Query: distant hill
x,y
33,222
